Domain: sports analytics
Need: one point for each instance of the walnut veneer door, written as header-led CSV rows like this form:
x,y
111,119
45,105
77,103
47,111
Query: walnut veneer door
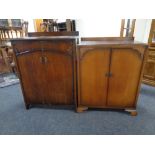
x,y
125,69
32,76
93,65
59,78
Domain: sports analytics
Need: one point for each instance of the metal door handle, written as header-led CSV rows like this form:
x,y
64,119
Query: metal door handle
x,y
108,74
43,59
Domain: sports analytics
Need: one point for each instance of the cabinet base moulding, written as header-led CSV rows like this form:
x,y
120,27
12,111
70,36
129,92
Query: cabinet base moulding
x,y
81,109
132,112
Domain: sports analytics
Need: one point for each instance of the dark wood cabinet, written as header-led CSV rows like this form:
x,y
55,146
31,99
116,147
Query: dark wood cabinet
x,y
46,69
109,74
61,33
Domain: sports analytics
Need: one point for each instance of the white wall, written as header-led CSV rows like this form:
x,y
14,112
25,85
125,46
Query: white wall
x,y
106,28
142,30
98,27
111,28
30,25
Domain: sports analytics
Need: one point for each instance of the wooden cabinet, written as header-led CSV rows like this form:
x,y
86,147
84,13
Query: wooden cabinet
x,y
46,68
149,68
109,74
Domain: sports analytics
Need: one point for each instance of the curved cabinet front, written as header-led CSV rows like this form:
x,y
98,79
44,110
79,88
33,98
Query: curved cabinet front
x,y
32,76
123,84
59,78
46,70
93,66
109,77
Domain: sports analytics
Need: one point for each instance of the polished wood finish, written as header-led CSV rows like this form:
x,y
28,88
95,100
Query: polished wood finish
x,y
94,79
109,73
125,69
46,69
107,38
62,33
149,69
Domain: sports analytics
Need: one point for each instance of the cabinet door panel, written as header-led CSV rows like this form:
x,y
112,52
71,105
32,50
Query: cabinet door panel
x,y
125,69
59,78
32,76
93,67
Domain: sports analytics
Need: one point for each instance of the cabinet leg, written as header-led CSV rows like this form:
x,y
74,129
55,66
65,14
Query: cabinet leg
x,y
132,112
27,106
81,109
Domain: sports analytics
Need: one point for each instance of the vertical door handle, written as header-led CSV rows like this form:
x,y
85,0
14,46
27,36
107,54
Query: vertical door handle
x,y
43,59
108,74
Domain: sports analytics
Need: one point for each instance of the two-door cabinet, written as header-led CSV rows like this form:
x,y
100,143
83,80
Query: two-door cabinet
x,y
109,73
46,67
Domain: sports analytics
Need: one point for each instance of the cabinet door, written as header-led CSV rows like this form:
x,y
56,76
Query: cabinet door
x,y
125,69
32,76
59,78
93,66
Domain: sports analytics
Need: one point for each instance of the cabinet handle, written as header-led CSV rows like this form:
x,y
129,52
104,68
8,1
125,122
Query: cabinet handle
x,y
43,60
108,74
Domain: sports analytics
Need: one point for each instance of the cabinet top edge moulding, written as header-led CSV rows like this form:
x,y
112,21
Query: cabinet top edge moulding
x,y
121,43
46,38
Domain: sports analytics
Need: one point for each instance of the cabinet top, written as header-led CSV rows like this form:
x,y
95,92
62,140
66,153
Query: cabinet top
x,y
46,38
111,43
